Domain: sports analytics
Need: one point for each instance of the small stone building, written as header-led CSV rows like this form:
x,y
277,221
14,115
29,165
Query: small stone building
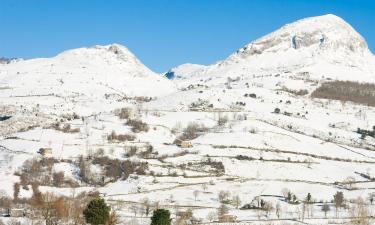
x,y
183,144
45,152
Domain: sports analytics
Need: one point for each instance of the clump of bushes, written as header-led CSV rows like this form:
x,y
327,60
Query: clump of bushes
x,y
120,137
66,128
364,132
40,172
192,131
362,93
143,99
137,125
300,92
252,95
124,113
113,169
216,165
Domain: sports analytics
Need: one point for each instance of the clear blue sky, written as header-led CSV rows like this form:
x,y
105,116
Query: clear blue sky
x,y
162,33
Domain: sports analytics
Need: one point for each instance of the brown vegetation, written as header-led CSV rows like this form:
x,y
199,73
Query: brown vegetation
x,y
66,128
362,93
124,113
137,125
113,169
40,172
120,137
192,131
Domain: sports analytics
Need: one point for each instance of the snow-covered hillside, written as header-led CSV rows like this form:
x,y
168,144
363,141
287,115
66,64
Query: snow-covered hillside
x,y
246,133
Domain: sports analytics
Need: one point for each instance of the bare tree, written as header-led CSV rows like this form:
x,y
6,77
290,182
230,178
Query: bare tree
x,y
338,199
349,182
360,213
211,216
222,120
223,196
278,210
146,206
268,207
58,179
134,209
113,218
285,192
183,218
46,204
195,193
236,201
325,209
222,211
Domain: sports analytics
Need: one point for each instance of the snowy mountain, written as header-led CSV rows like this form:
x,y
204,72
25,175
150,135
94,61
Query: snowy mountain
x,y
247,139
84,73
90,71
325,46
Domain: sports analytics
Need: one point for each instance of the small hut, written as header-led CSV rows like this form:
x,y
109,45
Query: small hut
x,y
17,212
183,143
45,152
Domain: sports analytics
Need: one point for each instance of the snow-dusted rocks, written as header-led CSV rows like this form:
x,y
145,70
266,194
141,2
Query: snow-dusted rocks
x,y
184,71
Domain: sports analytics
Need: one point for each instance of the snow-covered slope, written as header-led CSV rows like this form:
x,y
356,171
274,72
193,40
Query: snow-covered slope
x,y
325,46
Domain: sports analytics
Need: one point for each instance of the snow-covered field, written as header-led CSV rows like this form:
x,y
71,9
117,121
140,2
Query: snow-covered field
x,y
260,137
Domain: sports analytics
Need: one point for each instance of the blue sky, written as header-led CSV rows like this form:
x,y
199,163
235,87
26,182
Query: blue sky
x,y
162,33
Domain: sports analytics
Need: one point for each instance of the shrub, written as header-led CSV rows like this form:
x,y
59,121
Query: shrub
x,y
16,191
124,113
120,137
222,120
137,125
66,128
58,179
192,131
116,169
296,92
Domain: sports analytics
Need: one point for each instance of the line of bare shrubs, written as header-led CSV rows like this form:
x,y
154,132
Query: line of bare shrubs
x,y
174,155
113,169
143,99
249,158
208,165
362,93
66,128
137,125
216,165
120,137
300,92
145,153
292,152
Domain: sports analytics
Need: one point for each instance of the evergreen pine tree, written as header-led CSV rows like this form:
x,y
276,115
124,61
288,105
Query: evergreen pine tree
x,y
97,212
161,217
